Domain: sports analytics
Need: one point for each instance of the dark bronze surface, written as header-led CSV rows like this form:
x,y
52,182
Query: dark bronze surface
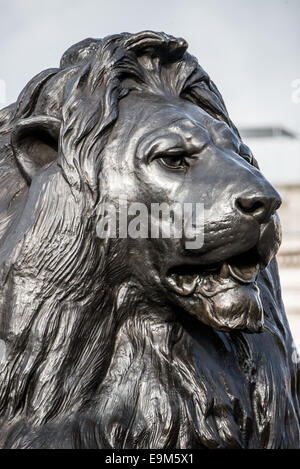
x,y
137,343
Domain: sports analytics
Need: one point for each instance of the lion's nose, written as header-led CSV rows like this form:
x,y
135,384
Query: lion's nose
x,y
259,206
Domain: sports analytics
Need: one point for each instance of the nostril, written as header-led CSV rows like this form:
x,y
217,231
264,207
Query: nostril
x,y
259,207
249,206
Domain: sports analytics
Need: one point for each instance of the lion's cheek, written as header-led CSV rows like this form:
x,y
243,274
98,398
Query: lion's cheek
x,y
237,308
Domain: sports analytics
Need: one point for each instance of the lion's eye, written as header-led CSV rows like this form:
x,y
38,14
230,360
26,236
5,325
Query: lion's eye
x,y
245,153
246,157
178,162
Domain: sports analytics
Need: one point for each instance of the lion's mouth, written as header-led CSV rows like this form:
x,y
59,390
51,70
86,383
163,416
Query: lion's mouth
x,y
186,278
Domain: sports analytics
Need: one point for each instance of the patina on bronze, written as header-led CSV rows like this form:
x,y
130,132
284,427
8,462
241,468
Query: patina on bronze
x,y
137,343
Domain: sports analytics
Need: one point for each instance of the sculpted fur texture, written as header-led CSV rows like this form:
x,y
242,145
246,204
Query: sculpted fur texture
x,y
137,343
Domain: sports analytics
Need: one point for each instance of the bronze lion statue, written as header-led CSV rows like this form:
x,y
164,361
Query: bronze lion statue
x,y
137,343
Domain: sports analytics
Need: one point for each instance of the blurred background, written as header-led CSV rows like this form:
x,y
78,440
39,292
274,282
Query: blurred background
x,y
250,49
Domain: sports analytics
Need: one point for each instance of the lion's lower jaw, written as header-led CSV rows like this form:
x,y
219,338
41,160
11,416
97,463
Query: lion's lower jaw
x,y
238,308
225,298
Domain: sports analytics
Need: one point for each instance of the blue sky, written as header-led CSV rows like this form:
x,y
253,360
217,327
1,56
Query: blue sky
x,y
250,48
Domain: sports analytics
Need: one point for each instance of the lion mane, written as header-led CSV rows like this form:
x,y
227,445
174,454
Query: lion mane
x,y
88,362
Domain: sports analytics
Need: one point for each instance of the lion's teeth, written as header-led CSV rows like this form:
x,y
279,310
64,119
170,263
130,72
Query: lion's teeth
x,y
183,286
189,285
244,275
224,272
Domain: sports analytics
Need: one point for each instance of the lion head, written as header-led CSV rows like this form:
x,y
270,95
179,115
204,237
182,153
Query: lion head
x,y
137,342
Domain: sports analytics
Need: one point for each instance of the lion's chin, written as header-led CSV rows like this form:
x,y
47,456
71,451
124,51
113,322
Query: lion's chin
x,y
226,300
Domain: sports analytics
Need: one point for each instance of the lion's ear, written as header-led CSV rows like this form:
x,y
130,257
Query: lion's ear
x,y
35,143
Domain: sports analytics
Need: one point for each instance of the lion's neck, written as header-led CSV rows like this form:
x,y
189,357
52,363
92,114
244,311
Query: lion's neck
x,y
156,393
173,384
